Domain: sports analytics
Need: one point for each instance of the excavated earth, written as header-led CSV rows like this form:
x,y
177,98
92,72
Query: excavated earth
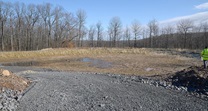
x,y
11,86
194,78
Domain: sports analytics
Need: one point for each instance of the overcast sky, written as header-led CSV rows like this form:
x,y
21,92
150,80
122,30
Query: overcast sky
x,y
164,11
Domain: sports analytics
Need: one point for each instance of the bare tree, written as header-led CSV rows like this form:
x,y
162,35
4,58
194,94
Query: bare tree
x,y
153,31
110,34
205,35
4,12
29,27
31,17
19,11
91,35
145,34
136,29
169,30
81,17
47,14
59,25
68,25
11,25
51,20
99,34
115,28
42,12
127,35
184,26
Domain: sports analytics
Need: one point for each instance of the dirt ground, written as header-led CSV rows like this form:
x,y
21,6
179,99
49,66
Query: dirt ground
x,y
155,62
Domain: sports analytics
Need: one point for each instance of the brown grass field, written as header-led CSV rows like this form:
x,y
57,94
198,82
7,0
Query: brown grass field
x,y
133,61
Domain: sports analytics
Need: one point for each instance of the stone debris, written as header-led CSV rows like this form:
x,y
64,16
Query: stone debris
x,y
24,82
10,89
8,100
28,72
149,69
168,83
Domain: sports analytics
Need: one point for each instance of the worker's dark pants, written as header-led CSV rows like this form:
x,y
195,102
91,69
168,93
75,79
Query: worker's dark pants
x,y
205,63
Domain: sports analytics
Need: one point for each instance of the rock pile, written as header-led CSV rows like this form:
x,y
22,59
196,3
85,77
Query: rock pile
x,y
11,87
8,100
150,81
193,81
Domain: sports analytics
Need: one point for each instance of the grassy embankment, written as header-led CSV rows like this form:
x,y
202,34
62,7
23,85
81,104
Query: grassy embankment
x,y
75,52
138,61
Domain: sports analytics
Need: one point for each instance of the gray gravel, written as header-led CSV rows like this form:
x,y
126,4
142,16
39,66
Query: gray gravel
x,y
74,91
86,91
8,100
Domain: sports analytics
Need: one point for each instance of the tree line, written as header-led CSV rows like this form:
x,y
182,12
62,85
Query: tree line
x,y
34,27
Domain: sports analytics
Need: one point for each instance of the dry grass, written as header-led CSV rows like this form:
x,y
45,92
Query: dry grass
x,y
140,61
19,55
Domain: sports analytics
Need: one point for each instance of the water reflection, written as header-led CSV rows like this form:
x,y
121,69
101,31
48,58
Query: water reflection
x,y
97,62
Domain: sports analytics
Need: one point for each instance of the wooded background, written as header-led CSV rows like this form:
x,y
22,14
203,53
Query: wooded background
x,y
34,27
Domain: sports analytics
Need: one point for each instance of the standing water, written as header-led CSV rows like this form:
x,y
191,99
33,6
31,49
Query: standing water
x,y
97,62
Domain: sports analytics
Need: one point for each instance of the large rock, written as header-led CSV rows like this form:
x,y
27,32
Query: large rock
x,y
24,82
4,72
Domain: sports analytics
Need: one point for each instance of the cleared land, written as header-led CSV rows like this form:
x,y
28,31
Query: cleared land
x,y
139,61
80,90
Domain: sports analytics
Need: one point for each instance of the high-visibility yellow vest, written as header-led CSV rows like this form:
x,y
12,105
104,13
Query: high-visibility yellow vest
x,y
204,54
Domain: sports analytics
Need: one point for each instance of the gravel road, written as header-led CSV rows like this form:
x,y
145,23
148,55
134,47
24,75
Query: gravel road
x,y
74,91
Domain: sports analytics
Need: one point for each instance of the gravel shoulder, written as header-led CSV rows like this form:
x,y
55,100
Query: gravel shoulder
x,y
74,91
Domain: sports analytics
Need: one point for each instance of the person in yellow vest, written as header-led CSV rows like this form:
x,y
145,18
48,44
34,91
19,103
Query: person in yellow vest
x,y
204,55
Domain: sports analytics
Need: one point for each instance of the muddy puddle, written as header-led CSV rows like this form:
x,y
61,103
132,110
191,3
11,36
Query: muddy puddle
x,y
97,63
93,62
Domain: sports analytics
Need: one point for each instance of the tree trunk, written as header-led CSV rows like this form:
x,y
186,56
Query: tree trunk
x,y
19,37
11,36
2,35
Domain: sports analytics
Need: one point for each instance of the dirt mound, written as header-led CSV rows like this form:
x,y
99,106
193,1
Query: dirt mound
x,y
12,81
194,78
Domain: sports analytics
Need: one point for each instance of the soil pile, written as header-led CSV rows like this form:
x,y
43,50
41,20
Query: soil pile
x,y
11,86
194,78
8,80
